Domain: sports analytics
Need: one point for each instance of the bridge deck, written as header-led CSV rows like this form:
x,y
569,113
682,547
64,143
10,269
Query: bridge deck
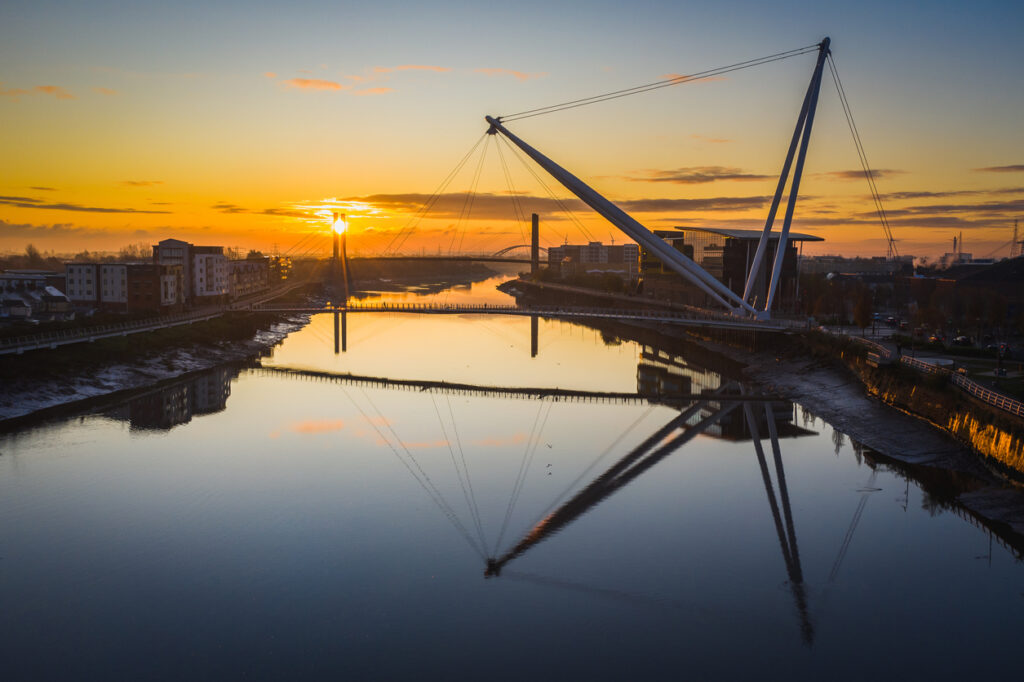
x,y
690,318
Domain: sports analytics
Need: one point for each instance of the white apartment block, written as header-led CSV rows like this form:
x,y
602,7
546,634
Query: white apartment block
x,y
209,275
83,282
113,280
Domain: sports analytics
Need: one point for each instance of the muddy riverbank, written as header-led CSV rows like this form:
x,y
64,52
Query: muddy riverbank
x,y
42,380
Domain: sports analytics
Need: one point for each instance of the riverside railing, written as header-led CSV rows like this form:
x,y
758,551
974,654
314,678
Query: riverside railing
x,y
62,337
20,344
973,388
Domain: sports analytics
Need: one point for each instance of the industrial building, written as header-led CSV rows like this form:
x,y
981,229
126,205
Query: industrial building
x,y
726,254
596,258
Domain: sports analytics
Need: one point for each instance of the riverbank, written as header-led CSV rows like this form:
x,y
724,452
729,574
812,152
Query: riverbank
x,y
826,387
45,379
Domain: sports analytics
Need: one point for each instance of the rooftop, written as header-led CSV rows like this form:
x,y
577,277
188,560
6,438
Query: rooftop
x,y
737,234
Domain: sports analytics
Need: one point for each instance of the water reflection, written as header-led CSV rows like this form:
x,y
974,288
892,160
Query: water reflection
x,y
178,402
679,515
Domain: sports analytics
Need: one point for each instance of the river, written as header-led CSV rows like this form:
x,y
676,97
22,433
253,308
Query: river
x,y
273,523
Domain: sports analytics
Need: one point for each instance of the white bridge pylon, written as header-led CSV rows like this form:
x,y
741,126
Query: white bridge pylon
x,y
677,261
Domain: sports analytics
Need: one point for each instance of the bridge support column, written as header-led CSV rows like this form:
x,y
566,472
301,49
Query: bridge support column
x,y
337,337
533,335
535,245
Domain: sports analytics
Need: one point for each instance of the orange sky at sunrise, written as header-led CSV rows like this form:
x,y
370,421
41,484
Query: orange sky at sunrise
x,y
249,128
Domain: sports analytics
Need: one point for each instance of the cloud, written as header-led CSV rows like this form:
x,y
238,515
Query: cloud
x,y
28,202
411,67
901,196
269,74
705,204
225,207
486,206
104,91
141,183
859,174
62,231
283,213
518,75
1015,168
44,189
373,91
317,426
697,175
54,90
314,84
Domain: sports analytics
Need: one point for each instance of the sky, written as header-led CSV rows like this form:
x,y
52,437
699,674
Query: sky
x,y
246,124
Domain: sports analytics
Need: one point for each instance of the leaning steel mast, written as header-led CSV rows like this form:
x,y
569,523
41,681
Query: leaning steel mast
x,y
677,261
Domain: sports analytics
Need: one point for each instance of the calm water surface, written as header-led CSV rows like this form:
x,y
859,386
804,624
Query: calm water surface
x,y
265,524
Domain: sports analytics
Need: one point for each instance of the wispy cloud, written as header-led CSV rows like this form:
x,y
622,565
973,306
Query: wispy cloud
x,y
44,189
518,75
697,175
29,202
314,84
1014,168
703,204
311,426
373,91
104,91
488,206
859,174
53,90
225,207
141,183
57,230
269,74
411,67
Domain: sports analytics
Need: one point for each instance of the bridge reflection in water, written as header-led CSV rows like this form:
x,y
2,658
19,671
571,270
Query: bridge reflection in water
x,y
703,404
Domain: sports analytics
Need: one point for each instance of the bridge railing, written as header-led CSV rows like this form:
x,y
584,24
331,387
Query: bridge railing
x,y
971,387
689,314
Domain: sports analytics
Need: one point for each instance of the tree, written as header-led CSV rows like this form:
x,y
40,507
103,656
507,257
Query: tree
x,y
135,252
33,259
862,311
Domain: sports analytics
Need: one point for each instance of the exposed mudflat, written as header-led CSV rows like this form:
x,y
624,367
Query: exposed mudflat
x,y
840,399
24,395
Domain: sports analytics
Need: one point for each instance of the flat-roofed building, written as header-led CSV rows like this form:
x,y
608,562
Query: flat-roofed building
x,y
248,276
204,270
726,254
125,287
596,258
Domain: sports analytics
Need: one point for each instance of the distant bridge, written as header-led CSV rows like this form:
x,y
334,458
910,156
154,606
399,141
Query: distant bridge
x,y
492,258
